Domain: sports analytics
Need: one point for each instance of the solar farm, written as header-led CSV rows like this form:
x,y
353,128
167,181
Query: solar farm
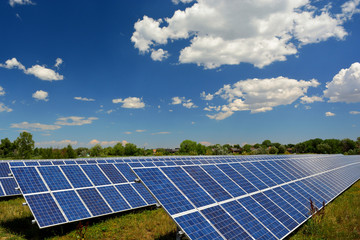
x,y
208,197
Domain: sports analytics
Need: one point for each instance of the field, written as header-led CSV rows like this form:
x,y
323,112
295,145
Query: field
x,y
341,220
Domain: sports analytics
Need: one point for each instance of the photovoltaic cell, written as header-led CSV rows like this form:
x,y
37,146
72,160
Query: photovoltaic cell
x,y
112,173
115,200
29,180
126,171
45,209
71,204
95,175
76,176
131,196
54,178
94,201
9,186
144,193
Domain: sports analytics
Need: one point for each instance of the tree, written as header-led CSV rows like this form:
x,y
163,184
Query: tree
x,y
70,152
118,150
200,149
187,146
247,148
273,150
323,148
96,150
6,148
347,144
282,149
25,145
130,149
266,143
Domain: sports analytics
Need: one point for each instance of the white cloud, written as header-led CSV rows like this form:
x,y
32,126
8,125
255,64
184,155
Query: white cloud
x,y
128,133
20,2
259,95
205,143
2,91
75,121
4,108
53,143
44,73
13,63
160,133
41,95
307,99
58,62
109,111
354,112
38,71
345,86
329,114
183,101
140,130
35,126
182,1
84,99
106,143
232,31
159,55
130,102
207,97
212,108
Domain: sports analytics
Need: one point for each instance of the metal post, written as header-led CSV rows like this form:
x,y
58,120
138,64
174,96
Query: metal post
x,y
179,234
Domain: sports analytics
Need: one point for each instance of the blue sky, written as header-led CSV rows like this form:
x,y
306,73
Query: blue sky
x,y
155,73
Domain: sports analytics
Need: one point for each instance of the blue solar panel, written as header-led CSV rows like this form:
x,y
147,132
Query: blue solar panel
x,y
249,223
126,171
198,227
45,209
4,170
71,204
212,187
115,200
236,177
31,163
9,186
76,176
95,175
29,180
224,180
54,178
265,179
225,224
133,198
188,186
173,201
112,173
249,176
94,201
144,193
45,163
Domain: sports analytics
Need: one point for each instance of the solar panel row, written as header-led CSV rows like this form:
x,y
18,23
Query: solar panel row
x,y
7,183
66,193
248,200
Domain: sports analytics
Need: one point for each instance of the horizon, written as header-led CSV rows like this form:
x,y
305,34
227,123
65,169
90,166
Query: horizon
x,y
157,73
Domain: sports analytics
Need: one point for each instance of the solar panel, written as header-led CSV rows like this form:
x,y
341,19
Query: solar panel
x,y
75,192
227,200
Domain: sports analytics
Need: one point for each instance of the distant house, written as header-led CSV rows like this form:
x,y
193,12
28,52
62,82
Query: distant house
x,y
235,150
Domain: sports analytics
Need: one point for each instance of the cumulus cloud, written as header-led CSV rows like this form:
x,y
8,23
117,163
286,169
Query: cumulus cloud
x,y
35,126
307,99
183,101
259,95
38,71
231,31
207,97
329,114
53,143
4,108
354,112
41,95
159,55
20,2
107,143
75,121
130,102
84,99
58,62
2,91
345,86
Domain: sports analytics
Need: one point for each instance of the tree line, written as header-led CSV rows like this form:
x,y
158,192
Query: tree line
x,y
24,148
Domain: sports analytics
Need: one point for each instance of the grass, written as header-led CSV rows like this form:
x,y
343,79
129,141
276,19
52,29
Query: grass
x,y
341,220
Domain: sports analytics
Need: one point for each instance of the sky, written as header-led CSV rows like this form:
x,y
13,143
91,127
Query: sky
x,y
155,73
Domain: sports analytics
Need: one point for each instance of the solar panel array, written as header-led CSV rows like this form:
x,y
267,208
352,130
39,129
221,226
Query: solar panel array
x,y
66,193
262,198
7,183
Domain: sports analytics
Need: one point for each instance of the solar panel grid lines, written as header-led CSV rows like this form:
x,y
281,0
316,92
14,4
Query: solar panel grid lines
x,y
288,199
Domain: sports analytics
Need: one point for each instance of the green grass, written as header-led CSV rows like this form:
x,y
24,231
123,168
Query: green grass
x,y
341,220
